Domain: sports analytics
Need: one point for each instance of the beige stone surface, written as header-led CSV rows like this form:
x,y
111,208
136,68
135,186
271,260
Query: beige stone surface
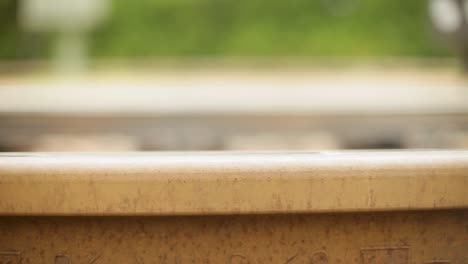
x,y
193,183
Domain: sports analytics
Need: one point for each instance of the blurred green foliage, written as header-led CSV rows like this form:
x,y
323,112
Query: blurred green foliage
x,y
146,28
9,32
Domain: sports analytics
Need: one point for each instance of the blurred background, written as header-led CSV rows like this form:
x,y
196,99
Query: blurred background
x,y
121,75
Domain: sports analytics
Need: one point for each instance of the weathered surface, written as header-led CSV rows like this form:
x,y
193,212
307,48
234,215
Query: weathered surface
x,y
348,238
139,188
227,183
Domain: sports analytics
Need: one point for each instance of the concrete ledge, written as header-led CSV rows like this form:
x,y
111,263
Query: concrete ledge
x,y
170,183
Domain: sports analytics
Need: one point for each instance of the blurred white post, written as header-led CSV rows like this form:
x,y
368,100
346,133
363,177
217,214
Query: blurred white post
x,y
71,20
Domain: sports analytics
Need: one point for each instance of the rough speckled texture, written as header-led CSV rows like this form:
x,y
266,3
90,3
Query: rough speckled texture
x,y
231,182
383,238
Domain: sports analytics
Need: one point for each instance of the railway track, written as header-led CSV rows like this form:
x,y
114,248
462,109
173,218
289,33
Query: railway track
x,y
100,132
200,108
